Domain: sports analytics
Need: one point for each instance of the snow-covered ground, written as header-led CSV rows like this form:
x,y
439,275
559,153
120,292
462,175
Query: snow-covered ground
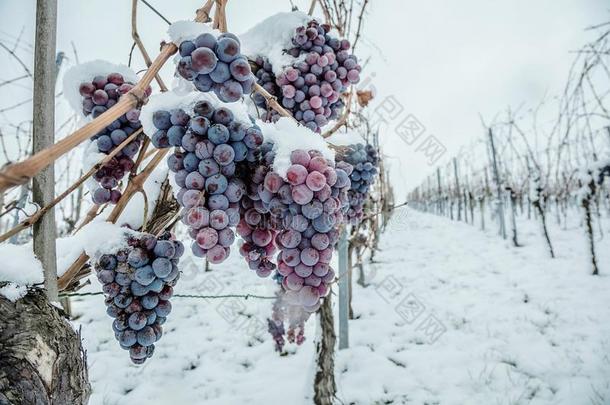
x,y
451,315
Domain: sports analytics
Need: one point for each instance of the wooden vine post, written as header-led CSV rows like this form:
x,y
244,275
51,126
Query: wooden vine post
x,y
458,193
43,136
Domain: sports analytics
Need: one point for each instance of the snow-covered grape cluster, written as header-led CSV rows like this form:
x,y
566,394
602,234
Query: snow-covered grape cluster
x,y
365,161
137,283
310,89
98,96
309,205
216,64
211,148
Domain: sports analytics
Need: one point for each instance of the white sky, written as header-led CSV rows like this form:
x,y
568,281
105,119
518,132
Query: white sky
x,y
444,61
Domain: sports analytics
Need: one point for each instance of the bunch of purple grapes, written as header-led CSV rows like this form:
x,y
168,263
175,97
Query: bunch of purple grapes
x,y
98,96
365,161
137,283
212,149
216,64
309,205
310,89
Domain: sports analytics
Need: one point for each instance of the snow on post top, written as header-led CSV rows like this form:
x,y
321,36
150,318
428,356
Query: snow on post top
x,y
287,136
85,72
272,36
173,99
188,30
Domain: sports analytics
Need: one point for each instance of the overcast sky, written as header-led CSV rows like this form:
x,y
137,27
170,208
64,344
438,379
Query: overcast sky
x,y
443,61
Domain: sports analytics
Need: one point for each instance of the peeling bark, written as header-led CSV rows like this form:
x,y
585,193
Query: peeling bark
x,y
324,384
41,357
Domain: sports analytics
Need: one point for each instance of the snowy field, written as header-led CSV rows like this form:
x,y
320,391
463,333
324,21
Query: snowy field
x,y
451,315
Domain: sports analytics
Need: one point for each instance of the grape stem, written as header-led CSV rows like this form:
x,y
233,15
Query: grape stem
x,y
141,156
145,214
92,213
343,120
272,102
203,14
220,16
392,208
149,153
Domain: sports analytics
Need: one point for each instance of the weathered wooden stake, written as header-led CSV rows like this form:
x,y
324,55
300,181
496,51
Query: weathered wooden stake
x,y
324,381
43,135
440,201
458,193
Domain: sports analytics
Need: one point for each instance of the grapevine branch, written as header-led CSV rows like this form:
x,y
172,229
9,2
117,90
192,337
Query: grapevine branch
x,y
28,222
135,185
343,120
203,14
17,58
136,38
156,12
383,211
312,7
141,156
220,16
92,213
359,24
272,101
